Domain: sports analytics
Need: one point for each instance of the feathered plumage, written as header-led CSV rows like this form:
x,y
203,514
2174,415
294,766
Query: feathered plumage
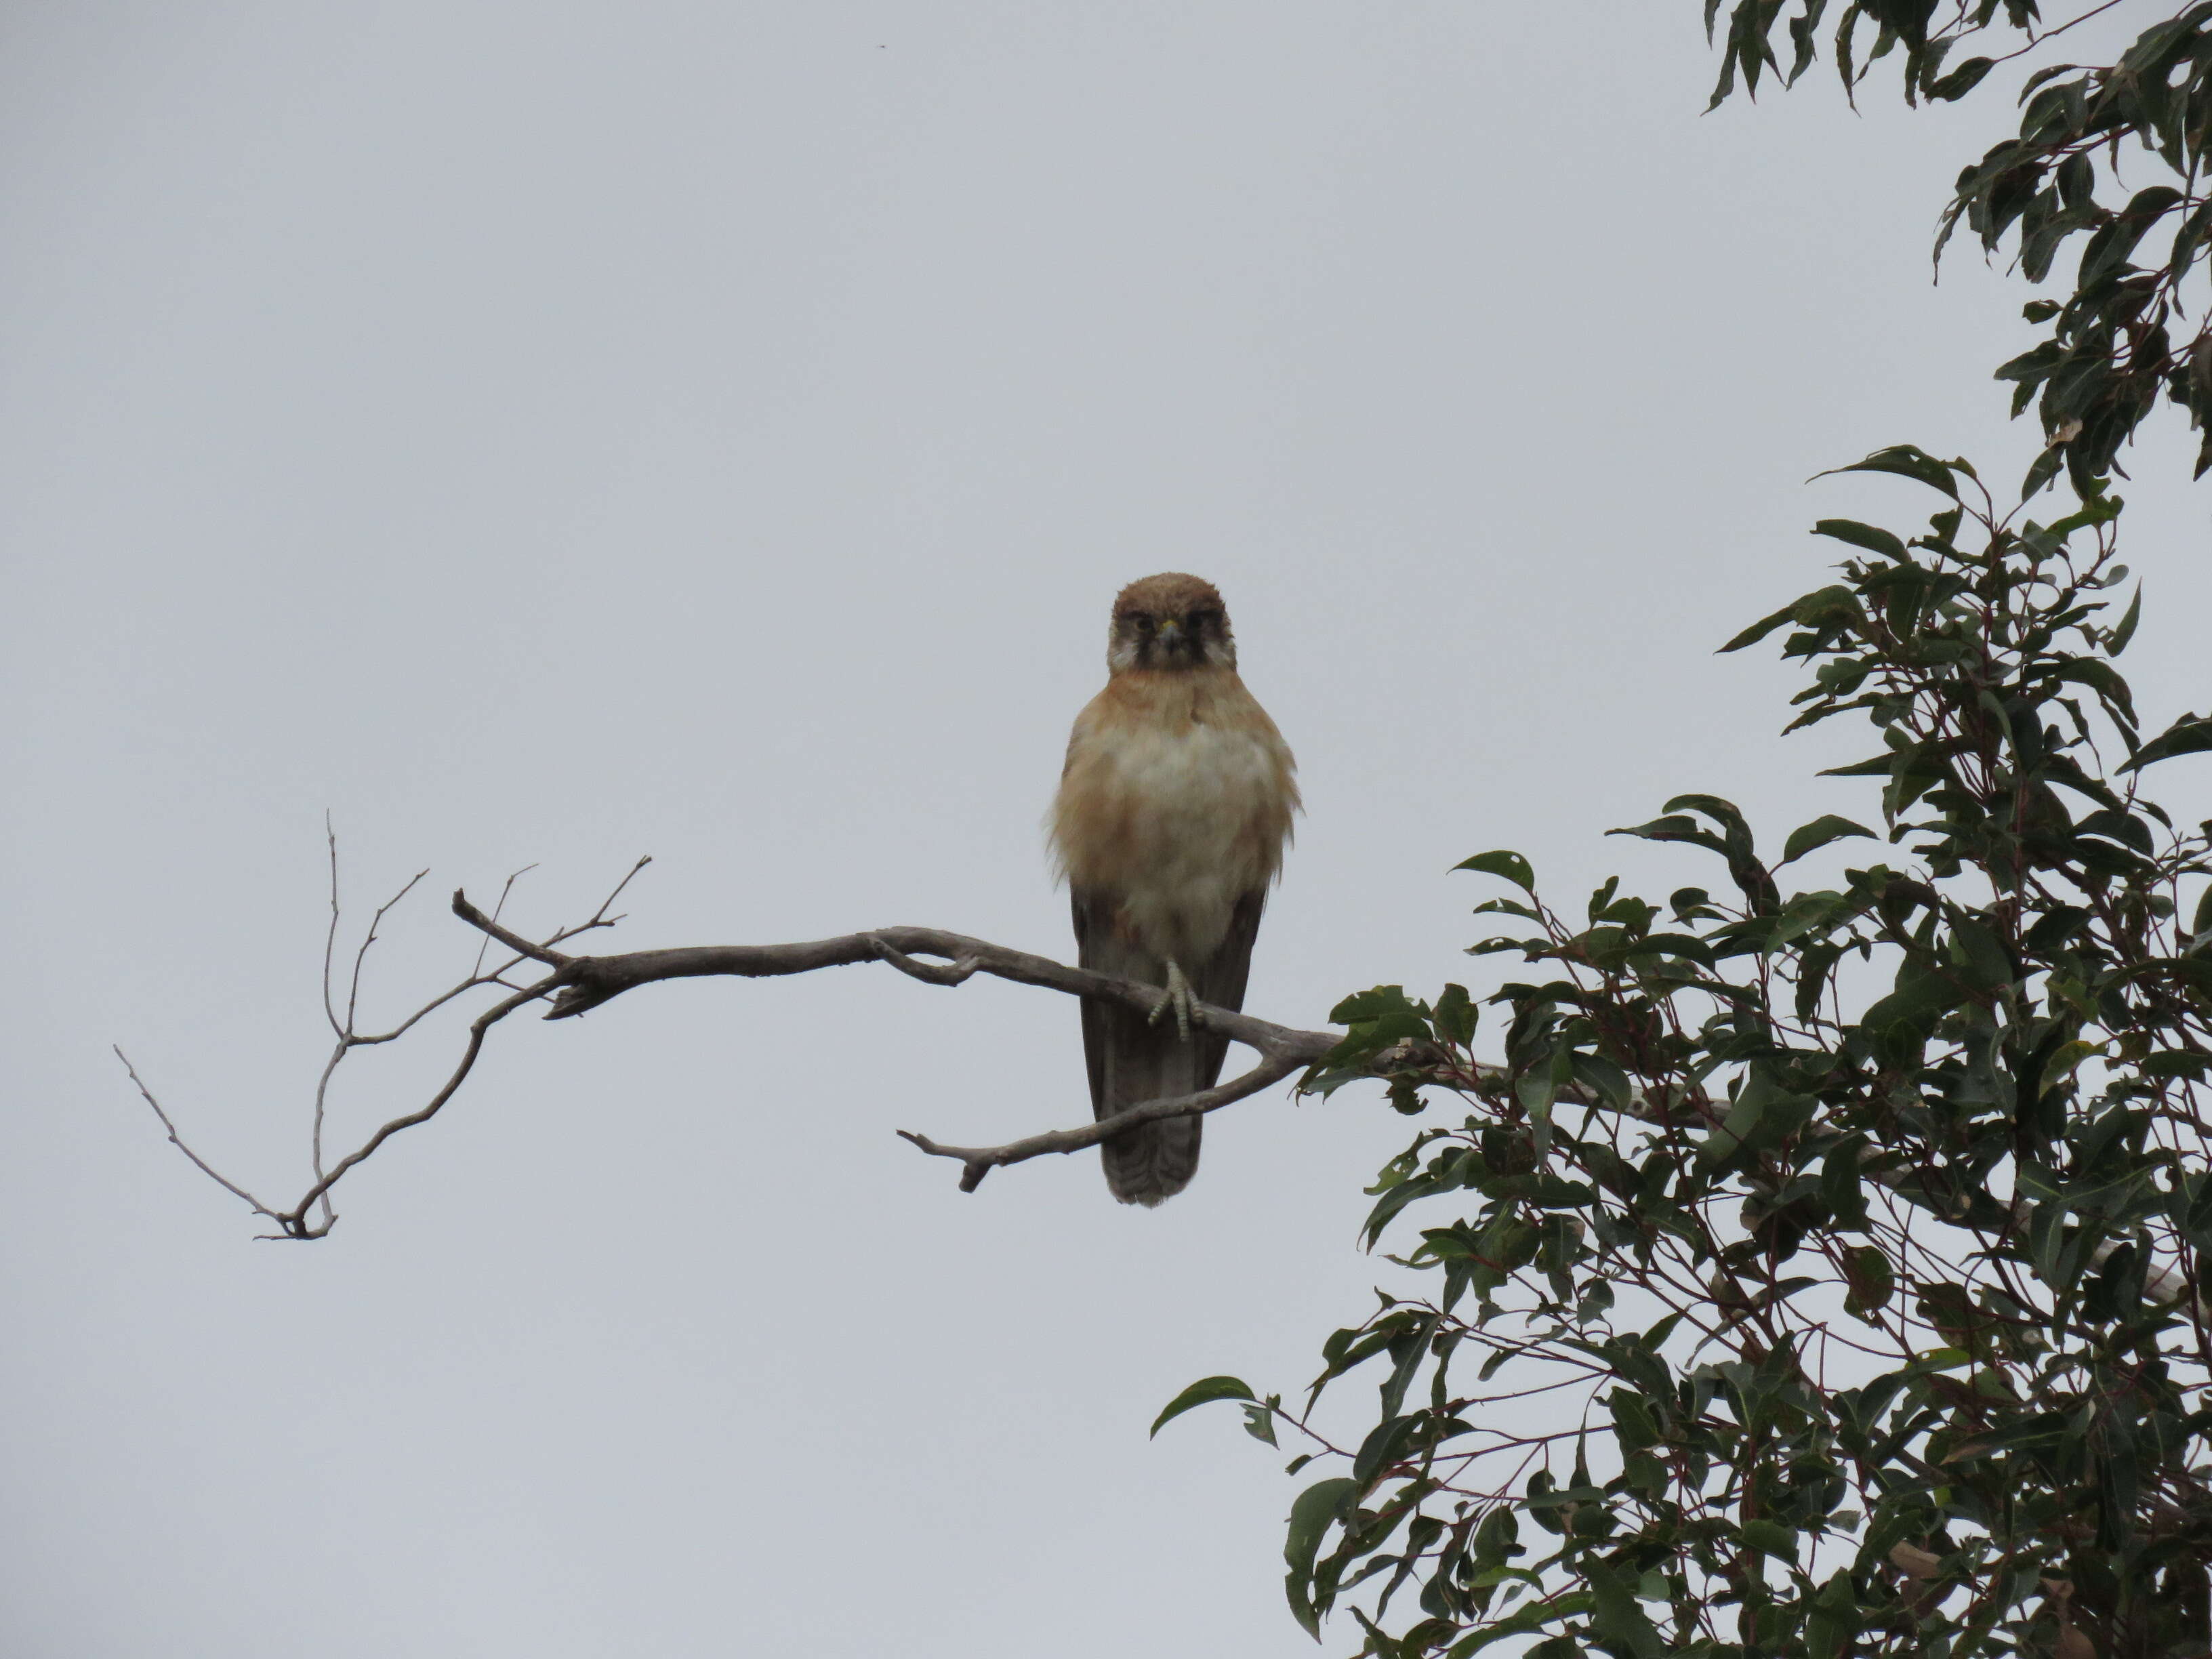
x,y
1174,807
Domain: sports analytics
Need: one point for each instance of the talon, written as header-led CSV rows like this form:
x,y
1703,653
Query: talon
x,y
1177,996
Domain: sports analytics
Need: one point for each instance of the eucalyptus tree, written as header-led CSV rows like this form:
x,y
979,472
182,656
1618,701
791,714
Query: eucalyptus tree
x,y
1815,1274
1813,1270
2108,165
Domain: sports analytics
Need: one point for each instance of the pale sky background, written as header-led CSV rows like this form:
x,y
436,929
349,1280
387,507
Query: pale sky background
x,y
561,431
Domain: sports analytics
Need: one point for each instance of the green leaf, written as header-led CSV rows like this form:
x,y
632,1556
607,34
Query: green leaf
x,y
1672,944
1315,1509
1818,834
1762,1114
1620,1621
2117,640
1878,767
1455,1015
1312,1513
1633,1426
1862,535
1922,997
1511,866
1521,1622
1769,1538
1199,1393
1962,80
1907,461
1872,1282
2059,1069
1759,630
1383,1444
1833,1621
1506,907
1676,826
1843,1185
2043,1430
1383,1002
2186,736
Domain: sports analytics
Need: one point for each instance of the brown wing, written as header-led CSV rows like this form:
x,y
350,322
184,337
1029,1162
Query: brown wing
x,y
1220,979
1132,1061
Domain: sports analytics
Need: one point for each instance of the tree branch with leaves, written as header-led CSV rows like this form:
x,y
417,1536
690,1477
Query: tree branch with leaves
x,y
2134,323
1847,1231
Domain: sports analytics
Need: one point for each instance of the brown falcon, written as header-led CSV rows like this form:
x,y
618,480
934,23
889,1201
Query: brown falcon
x,y
1173,810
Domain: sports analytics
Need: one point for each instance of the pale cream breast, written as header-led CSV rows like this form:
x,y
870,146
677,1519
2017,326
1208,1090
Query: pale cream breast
x,y
1176,799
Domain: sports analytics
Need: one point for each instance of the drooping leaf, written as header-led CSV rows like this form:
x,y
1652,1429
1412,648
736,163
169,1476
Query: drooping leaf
x,y
1820,833
1314,1512
1861,535
2186,736
1907,461
1511,866
1200,1393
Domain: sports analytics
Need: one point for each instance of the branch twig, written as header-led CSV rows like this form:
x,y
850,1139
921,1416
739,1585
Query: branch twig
x,y
178,1141
976,1162
577,984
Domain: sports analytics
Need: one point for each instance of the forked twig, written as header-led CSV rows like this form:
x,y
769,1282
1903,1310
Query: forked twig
x,y
575,984
296,1223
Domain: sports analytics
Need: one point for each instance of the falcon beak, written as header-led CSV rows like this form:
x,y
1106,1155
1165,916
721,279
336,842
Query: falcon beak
x,y
1170,634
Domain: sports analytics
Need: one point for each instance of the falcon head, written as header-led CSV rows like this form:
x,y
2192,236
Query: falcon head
x,y
1169,621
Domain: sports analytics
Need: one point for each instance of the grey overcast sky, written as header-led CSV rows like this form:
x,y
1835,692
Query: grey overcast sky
x,y
559,432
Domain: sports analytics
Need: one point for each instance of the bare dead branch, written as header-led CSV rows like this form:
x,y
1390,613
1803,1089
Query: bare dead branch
x,y
513,941
599,917
357,1040
506,891
361,956
178,1141
331,938
588,982
322,1110
928,973
976,1162
576,984
294,1221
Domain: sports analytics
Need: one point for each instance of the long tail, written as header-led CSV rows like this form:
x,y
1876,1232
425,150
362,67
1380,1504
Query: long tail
x,y
1141,1062
1132,1062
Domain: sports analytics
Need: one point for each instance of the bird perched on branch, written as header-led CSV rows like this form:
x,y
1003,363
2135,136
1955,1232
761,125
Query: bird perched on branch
x,y
1173,810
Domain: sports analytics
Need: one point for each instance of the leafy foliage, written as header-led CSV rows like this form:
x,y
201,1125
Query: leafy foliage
x,y
1811,1277
2126,331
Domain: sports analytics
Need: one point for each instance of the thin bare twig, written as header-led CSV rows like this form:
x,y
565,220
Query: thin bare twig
x,y
346,1039
599,917
322,1106
178,1141
361,956
976,1162
497,911
331,938
294,1221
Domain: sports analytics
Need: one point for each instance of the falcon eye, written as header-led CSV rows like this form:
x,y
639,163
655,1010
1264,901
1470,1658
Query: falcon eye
x,y
1143,620
1201,620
